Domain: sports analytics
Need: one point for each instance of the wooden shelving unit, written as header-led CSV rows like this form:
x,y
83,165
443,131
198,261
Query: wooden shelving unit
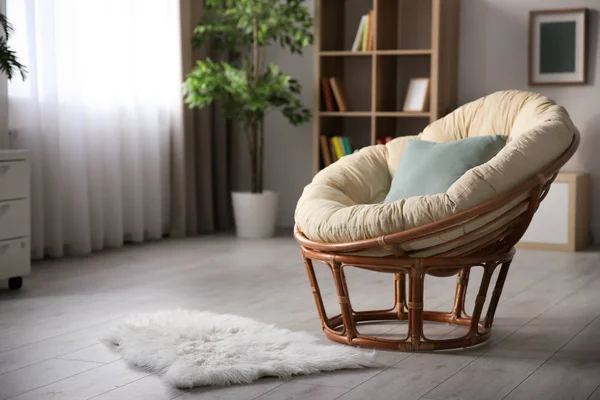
x,y
412,39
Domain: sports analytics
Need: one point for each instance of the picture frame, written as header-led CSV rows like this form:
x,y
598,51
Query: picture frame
x,y
417,95
558,46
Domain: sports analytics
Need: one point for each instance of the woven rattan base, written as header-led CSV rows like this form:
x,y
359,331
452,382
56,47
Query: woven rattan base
x,y
409,289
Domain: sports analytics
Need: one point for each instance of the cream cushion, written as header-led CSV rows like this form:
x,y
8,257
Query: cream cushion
x,y
344,201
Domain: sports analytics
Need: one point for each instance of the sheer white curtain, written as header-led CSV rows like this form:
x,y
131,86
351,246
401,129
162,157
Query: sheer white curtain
x,y
100,100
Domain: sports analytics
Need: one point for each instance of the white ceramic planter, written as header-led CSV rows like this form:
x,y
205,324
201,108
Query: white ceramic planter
x,y
255,213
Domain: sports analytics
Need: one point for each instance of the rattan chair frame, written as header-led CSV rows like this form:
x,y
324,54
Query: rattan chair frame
x,y
490,250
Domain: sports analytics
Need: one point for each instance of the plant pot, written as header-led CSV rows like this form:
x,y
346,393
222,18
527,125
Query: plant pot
x,y
255,213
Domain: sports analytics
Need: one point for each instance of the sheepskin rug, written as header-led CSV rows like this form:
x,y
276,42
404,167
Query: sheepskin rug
x,y
192,348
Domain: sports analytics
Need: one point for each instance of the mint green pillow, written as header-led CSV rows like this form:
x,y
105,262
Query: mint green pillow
x,y
431,168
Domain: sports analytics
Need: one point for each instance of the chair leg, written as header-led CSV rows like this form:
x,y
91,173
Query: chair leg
x,y
400,295
344,300
480,300
316,291
458,310
415,307
489,318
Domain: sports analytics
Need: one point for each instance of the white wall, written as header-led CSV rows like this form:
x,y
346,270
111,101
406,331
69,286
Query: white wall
x,y
493,56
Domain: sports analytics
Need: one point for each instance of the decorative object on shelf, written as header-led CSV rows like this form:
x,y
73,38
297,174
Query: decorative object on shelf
x,y
562,220
558,46
408,39
198,348
248,88
417,95
468,233
15,216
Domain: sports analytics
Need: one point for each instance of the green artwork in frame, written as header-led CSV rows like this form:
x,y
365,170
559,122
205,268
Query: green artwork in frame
x,y
557,47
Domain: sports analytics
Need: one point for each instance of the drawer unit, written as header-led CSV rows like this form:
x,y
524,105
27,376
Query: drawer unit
x,y
15,217
14,180
14,257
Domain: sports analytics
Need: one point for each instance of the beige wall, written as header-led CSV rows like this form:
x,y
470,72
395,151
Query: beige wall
x,y
493,56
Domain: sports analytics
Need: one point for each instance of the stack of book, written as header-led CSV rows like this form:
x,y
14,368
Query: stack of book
x,y
363,41
334,94
333,148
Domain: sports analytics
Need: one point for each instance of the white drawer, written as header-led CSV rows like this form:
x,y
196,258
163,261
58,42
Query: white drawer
x,y
14,179
14,258
14,219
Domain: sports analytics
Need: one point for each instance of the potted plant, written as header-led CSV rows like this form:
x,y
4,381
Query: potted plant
x,y
9,63
247,88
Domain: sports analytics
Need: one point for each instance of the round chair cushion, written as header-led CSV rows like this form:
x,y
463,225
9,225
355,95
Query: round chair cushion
x,y
344,201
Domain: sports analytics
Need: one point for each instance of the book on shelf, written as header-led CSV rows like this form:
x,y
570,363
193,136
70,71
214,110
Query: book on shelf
x,y
339,93
371,30
365,35
384,140
357,44
327,94
346,142
363,40
325,152
339,153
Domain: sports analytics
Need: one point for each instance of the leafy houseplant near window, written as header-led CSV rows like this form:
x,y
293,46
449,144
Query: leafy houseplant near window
x,y
9,63
247,88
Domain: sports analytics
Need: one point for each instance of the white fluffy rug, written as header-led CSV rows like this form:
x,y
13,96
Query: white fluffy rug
x,y
192,348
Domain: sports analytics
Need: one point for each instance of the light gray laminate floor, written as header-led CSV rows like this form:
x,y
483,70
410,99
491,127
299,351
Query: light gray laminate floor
x,y
546,341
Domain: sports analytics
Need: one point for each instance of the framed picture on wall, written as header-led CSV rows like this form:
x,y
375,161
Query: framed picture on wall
x,y
417,95
558,47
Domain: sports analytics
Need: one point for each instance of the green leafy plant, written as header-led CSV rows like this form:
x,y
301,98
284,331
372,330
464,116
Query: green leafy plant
x,y
246,88
9,63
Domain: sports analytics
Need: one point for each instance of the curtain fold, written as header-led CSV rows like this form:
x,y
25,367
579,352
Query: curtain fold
x,y
200,151
97,111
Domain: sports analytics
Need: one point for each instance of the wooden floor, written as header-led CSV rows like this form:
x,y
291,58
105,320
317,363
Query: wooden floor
x,y
546,341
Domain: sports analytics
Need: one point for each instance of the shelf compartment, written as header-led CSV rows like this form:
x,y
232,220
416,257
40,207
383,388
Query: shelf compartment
x,y
338,22
354,74
404,24
358,131
392,78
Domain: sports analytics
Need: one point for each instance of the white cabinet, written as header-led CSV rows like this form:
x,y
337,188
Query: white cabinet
x,y
15,216
562,220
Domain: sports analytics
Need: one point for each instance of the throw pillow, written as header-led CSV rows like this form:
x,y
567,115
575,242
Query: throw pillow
x,y
430,168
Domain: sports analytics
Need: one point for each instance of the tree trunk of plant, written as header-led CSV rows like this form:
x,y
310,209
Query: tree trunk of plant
x,y
260,151
252,132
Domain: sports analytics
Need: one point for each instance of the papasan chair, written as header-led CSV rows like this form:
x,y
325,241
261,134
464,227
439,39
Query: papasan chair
x,y
342,223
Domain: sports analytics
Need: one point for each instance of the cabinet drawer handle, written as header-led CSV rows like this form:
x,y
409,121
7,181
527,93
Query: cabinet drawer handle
x,y
4,248
4,169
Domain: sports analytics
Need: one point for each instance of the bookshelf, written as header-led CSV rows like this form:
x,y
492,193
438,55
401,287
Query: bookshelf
x,y
411,39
